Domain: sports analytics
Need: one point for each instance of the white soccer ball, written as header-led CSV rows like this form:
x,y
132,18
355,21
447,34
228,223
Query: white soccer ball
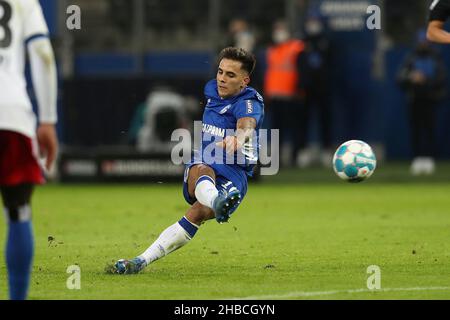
x,y
354,161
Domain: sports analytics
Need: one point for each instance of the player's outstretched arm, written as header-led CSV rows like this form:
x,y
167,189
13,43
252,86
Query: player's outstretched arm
x,y
436,32
244,133
43,69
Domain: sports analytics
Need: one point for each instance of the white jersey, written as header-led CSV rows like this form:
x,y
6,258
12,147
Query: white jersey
x,y
20,21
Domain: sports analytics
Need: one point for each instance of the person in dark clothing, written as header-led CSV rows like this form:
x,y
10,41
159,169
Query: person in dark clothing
x,y
314,65
423,78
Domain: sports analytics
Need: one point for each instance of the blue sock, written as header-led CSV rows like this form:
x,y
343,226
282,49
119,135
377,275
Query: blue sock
x,y
190,228
19,256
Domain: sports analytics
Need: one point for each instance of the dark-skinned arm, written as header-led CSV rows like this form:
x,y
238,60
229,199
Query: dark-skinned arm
x,y
436,32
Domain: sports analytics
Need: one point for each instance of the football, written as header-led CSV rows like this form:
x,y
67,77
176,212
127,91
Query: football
x,y
354,161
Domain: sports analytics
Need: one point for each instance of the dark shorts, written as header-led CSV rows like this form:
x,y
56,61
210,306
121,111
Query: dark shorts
x,y
226,178
18,160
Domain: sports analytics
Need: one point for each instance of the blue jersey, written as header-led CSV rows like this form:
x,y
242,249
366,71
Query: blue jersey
x,y
220,119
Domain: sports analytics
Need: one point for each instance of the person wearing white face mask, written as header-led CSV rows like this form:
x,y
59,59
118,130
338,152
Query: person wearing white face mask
x,y
282,87
241,35
281,32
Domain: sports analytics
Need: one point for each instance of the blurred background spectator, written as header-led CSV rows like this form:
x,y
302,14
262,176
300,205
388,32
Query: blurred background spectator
x,y
423,78
345,84
282,90
315,67
240,35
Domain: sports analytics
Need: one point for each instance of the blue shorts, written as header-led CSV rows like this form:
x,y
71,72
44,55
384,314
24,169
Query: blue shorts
x,y
227,177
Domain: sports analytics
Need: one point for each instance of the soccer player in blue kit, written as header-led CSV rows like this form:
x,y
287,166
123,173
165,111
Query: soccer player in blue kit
x,y
214,185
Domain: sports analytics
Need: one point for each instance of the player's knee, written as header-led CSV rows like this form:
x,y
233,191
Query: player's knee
x,y
17,201
195,173
206,170
199,213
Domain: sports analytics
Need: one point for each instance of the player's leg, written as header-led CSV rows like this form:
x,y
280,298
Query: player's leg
x,y
292,114
324,109
172,238
428,140
178,234
428,108
199,182
19,244
415,127
19,172
201,185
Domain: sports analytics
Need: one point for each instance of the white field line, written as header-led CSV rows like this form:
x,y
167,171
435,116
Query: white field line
x,y
299,294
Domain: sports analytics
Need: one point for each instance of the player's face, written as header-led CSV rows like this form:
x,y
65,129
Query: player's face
x,y
231,78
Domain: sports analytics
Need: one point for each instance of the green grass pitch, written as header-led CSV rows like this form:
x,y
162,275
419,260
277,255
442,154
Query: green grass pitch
x,y
297,236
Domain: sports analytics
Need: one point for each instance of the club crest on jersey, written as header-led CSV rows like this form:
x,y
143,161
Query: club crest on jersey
x,y
249,106
225,109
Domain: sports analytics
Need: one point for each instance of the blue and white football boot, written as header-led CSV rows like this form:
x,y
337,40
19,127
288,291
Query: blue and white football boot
x,y
132,266
225,204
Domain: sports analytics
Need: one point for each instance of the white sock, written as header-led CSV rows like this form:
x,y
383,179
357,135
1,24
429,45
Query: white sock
x,y
206,191
174,237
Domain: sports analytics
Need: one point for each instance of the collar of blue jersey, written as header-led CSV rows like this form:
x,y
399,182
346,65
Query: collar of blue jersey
x,y
212,93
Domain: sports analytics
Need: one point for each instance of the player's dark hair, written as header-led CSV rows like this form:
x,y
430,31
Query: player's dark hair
x,y
247,59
